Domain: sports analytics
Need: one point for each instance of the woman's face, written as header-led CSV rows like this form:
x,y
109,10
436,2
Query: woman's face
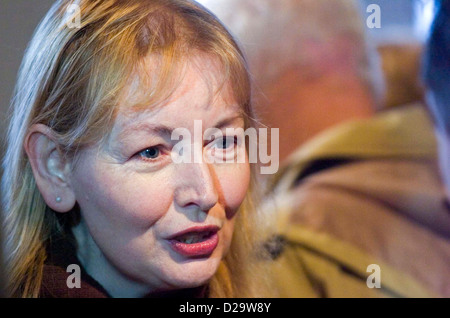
x,y
148,223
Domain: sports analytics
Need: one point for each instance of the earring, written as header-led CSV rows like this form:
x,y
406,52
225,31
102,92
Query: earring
x,y
58,199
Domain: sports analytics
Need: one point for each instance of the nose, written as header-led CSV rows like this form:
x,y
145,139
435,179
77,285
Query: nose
x,y
197,186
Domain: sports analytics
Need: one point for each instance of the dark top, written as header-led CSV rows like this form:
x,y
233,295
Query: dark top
x,y
62,253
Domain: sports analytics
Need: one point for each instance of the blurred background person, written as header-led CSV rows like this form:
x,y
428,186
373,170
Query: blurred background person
x,y
2,281
298,50
359,185
401,67
436,75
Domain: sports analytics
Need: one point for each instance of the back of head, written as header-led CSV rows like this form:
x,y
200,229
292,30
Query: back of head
x,y
436,66
313,35
311,62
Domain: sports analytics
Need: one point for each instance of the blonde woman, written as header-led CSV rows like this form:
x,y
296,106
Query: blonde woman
x,y
89,176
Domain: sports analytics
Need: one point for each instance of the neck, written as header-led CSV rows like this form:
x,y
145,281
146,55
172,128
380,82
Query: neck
x,y
99,268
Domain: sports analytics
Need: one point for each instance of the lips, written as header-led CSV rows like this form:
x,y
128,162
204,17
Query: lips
x,y
196,241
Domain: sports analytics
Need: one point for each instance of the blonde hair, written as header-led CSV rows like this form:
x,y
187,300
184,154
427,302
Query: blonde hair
x,y
71,80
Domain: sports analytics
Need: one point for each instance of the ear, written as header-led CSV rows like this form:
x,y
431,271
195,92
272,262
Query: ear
x,y
50,168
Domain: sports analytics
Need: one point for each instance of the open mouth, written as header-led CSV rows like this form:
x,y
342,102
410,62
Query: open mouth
x,y
195,242
193,238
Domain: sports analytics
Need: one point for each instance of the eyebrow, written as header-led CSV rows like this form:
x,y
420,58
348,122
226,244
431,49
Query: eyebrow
x,y
164,130
157,129
228,121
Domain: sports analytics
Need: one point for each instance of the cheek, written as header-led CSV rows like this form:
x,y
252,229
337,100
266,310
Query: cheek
x,y
108,196
234,181
227,235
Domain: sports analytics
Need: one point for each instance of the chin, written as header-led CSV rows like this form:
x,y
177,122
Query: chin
x,y
192,273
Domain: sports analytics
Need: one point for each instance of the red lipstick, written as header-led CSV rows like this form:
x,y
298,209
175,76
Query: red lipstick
x,y
195,241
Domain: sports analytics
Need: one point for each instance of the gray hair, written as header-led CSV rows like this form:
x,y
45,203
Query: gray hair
x,y
310,35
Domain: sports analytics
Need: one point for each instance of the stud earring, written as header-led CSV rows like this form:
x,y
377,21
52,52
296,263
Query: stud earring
x,y
58,199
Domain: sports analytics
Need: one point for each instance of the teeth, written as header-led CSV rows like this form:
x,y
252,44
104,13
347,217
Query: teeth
x,y
193,238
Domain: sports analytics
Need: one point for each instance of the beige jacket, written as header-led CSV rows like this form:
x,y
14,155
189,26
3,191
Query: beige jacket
x,y
385,207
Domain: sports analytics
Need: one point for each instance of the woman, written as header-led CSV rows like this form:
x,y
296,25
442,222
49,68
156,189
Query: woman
x,y
89,174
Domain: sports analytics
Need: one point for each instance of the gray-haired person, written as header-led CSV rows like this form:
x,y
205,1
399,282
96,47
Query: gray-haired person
x,y
357,186
436,75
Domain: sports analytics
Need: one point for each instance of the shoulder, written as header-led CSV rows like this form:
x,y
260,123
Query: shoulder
x,y
58,283
64,276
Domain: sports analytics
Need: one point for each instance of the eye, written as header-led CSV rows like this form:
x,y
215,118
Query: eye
x,y
223,149
150,153
226,142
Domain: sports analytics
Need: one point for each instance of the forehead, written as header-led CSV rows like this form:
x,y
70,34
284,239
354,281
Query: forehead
x,y
155,83
197,90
